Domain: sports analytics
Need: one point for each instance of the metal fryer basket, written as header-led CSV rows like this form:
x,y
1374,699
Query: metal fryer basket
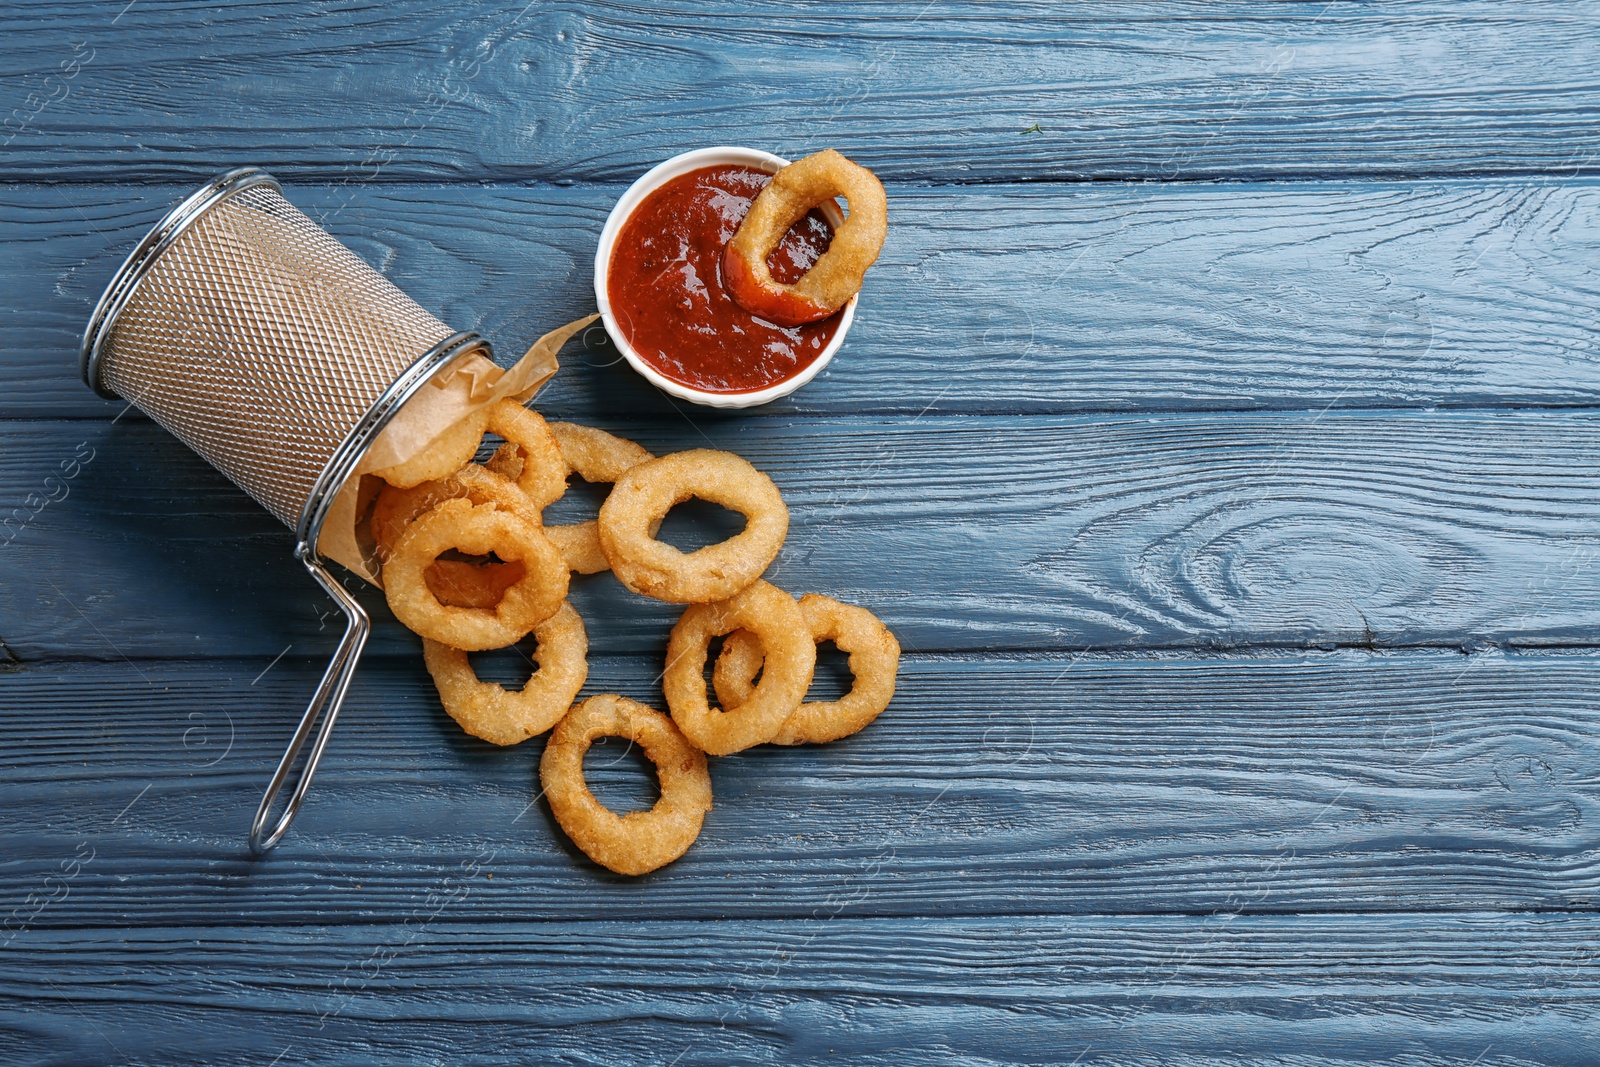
x,y
278,355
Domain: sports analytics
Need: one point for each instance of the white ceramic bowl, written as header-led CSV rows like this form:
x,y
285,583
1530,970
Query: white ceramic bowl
x,y
654,178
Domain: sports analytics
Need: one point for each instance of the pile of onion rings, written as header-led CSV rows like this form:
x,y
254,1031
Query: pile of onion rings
x,y
469,564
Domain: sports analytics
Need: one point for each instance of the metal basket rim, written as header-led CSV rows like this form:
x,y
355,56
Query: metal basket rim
x,y
355,444
137,266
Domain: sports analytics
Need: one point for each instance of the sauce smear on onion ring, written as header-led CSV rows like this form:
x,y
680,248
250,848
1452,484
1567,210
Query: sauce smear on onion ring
x,y
667,293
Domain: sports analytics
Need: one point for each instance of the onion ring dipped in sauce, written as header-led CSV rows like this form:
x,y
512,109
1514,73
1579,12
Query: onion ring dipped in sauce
x,y
837,275
668,296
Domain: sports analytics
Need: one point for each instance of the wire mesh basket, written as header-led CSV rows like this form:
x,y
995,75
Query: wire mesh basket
x,y
278,355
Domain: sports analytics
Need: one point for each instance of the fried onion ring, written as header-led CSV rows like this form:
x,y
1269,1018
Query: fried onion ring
x,y
543,476
791,655
640,841
397,508
501,717
644,494
457,583
837,275
874,661
479,529
447,452
594,455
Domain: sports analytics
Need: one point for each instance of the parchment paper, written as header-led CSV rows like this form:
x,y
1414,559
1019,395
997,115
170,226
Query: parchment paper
x,y
470,384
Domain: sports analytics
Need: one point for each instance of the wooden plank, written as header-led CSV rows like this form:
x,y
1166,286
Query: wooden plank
x,y
1388,529
507,91
994,300
1305,783
1486,988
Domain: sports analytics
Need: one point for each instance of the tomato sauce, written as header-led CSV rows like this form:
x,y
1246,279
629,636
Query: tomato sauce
x,y
665,286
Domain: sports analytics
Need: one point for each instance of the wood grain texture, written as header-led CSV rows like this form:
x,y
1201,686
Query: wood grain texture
x,y
569,91
1092,451
1315,782
987,301
1482,988
1026,533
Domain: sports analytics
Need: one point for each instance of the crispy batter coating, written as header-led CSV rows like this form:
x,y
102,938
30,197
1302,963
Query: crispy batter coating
x,y
874,661
644,494
502,717
791,655
480,529
837,275
640,841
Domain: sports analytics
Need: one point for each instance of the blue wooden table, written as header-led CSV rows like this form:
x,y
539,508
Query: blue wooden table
x,y
1219,433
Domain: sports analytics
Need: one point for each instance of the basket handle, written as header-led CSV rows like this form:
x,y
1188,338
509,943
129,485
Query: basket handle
x,y
325,704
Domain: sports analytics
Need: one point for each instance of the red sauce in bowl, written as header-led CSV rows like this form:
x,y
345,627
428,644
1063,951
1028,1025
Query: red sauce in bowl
x,y
664,282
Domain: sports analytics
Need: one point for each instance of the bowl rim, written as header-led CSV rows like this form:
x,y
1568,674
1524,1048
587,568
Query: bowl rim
x,y
647,183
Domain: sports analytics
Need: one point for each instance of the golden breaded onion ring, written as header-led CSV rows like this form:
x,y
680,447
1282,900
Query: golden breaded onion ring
x,y
837,275
502,717
874,661
640,841
482,530
453,448
791,655
644,494
543,476
594,455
